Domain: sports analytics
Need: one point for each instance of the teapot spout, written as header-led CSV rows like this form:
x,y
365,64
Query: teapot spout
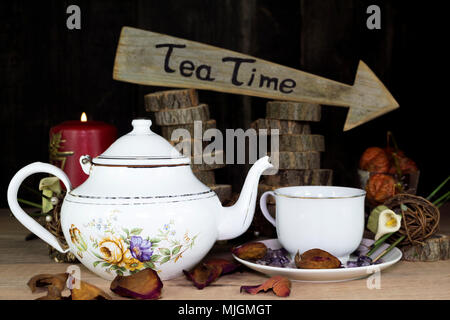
x,y
235,220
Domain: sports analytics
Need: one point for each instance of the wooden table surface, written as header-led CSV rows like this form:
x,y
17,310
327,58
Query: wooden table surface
x,y
20,260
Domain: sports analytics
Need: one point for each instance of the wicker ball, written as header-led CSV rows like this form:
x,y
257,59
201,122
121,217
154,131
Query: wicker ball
x,y
419,221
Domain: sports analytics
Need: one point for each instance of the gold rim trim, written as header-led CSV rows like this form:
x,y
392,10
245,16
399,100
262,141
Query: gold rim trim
x,y
318,198
141,165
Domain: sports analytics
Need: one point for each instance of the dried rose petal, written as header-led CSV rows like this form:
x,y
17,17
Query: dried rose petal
x,y
207,272
226,265
144,284
203,274
316,259
46,280
281,286
250,251
87,291
54,283
53,293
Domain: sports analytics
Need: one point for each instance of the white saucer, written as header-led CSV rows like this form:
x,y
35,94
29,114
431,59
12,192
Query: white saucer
x,y
322,275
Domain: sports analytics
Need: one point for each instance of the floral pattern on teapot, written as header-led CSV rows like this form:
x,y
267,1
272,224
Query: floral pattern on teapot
x,y
127,251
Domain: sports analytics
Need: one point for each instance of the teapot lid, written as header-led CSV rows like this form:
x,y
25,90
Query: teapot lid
x,y
141,147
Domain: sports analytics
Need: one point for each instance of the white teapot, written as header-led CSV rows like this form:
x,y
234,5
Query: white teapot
x,y
141,207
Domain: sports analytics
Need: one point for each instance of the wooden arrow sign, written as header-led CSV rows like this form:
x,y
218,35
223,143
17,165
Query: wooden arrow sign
x,y
150,58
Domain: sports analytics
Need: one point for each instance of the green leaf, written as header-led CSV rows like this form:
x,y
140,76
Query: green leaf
x,y
119,272
155,257
126,231
84,248
50,183
96,263
136,231
97,255
155,240
164,260
164,251
176,250
149,264
372,221
106,264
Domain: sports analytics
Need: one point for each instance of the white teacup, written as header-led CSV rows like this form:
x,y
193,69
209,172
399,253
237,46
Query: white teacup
x,y
327,218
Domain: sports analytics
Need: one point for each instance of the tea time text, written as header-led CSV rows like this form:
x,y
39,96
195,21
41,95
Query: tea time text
x,y
204,72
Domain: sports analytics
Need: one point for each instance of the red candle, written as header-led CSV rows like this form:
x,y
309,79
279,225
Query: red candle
x,y
72,139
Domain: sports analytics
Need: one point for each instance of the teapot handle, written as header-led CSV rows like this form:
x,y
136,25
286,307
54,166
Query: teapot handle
x,y
21,215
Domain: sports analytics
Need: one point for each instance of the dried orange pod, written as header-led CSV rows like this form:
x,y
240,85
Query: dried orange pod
x,y
281,286
406,166
380,187
145,285
374,159
390,151
250,251
316,259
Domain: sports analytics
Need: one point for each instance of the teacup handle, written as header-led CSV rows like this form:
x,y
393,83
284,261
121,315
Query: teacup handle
x,y
263,205
21,215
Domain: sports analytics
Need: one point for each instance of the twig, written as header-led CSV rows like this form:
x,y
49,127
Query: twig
x,y
390,135
30,203
438,188
40,194
395,155
378,243
442,200
389,248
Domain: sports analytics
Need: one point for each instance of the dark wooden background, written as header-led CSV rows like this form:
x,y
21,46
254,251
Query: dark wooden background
x,y
49,74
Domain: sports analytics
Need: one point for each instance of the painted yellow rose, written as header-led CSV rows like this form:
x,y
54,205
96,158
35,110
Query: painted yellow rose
x,y
131,263
112,249
115,251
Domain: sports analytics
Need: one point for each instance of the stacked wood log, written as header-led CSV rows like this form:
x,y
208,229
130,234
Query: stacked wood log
x,y
179,109
435,248
299,153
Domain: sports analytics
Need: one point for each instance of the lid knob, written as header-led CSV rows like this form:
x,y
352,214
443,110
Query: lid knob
x,y
141,126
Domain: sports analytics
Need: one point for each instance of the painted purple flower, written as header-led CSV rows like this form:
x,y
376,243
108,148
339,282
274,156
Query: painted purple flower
x,y
140,249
